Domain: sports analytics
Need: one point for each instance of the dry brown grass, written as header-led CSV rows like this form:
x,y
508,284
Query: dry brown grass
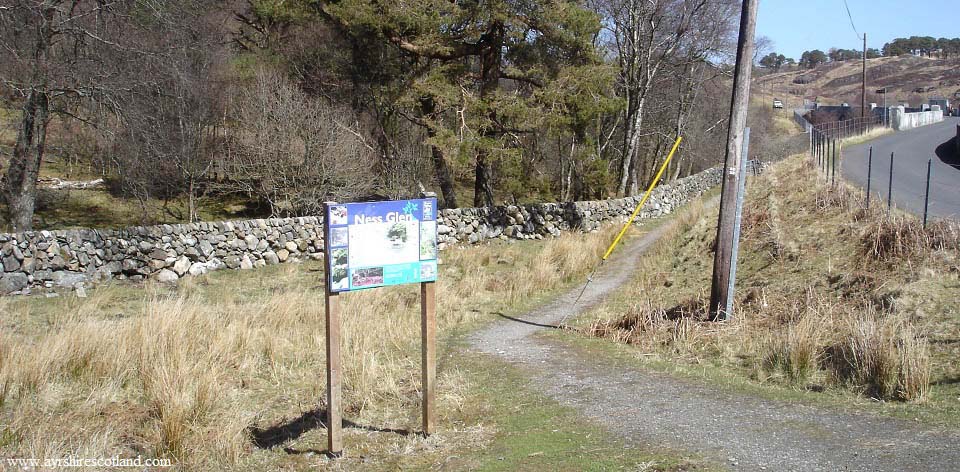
x,y
834,197
883,356
187,372
868,136
830,295
899,237
796,350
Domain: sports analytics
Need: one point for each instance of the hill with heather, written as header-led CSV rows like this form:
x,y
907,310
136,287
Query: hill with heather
x,y
908,79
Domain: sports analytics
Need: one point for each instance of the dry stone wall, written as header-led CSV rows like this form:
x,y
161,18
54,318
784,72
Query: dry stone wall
x,y
67,259
535,221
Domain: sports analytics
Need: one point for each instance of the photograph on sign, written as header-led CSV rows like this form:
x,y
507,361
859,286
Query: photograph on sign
x,y
428,240
382,243
338,237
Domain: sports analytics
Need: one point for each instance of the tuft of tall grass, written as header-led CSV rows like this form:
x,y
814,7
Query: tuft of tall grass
x,y
883,356
834,196
894,238
796,350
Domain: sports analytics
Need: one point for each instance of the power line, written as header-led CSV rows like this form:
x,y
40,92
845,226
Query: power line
x,y
851,20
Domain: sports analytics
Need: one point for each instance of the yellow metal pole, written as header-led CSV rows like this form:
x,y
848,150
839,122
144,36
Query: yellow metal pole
x,y
644,200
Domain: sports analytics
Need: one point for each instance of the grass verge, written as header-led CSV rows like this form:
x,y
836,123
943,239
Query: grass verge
x,y
835,303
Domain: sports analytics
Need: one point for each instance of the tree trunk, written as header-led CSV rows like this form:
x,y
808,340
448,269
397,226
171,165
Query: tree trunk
x,y
21,177
444,179
628,180
447,190
568,178
482,191
626,167
490,62
192,201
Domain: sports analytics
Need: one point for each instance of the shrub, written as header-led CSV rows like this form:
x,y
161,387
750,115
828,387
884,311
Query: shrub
x,y
831,196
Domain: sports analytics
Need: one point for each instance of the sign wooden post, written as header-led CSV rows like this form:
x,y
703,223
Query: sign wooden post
x,y
428,349
378,244
332,305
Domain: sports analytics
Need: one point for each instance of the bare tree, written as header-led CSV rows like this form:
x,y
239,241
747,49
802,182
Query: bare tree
x,y
71,59
293,151
170,136
648,35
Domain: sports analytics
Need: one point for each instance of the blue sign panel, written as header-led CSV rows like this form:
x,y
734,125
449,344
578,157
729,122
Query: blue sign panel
x,y
375,244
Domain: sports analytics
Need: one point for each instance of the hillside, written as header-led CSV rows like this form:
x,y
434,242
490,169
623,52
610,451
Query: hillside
x,y
840,82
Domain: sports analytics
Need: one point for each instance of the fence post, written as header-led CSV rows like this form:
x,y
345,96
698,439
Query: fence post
x,y
826,155
819,150
890,186
838,151
816,142
830,149
833,164
926,198
823,150
869,172
816,148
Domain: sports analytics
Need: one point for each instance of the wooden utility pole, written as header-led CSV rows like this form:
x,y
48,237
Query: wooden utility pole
x,y
863,84
720,293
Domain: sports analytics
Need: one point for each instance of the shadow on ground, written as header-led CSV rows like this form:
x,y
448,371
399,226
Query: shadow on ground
x,y
280,433
518,320
947,152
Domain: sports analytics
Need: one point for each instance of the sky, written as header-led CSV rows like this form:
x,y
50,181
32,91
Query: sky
x,y
802,25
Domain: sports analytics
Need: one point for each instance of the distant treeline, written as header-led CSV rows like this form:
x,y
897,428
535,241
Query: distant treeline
x,y
917,45
923,46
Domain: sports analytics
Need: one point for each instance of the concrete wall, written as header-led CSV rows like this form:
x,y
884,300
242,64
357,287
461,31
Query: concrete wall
x,y
900,120
51,260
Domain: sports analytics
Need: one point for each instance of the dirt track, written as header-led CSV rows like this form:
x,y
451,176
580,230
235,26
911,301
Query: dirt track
x,y
744,432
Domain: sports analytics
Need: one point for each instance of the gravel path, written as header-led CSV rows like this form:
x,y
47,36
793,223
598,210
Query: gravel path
x,y
744,432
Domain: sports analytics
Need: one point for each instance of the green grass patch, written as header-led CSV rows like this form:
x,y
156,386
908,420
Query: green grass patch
x,y
536,433
96,208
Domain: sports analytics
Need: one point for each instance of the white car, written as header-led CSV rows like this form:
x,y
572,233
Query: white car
x,y
777,104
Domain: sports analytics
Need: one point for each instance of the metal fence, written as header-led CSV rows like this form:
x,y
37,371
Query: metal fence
x,y
824,146
849,128
826,151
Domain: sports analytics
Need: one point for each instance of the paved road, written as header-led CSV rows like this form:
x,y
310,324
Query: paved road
x,y
911,151
740,431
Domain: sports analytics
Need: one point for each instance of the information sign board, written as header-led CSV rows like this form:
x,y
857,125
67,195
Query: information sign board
x,y
375,244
